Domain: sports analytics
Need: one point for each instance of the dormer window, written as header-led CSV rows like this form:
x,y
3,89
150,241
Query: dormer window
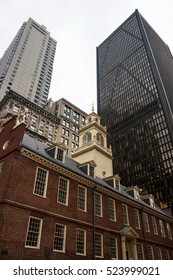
x,y
149,199
60,154
136,194
88,168
152,204
91,170
133,191
113,181
117,184
57,152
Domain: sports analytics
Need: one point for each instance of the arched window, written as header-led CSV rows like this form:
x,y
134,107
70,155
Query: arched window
x,y
100,139
87,138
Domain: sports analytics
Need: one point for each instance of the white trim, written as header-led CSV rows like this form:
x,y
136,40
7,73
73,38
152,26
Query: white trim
x,y
139,223
114,209
39,234
101,243
85,201
101,206
146,222
64,238
84,254
154,225
46,182
127,214
67,191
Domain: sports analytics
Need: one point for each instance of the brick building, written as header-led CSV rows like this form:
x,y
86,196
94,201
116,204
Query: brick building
x,y
55,207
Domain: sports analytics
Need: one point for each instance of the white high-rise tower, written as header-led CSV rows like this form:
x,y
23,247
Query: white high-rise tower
x,y
27,64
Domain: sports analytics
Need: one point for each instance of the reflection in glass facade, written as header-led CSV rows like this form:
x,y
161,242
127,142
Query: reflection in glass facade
x,y
135,102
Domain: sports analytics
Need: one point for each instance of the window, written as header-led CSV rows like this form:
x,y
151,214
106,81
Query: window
x,y
67,133
60,154
82,202
125,214
98,204
146,224
162,229
59,238
76,117
41,179
169,230
91,170
111,209
167,257
154,225
140,251
136,218
159,253
33,236
63,191
150,252
99,245
117,184
83,121
113,248
81,242
67,112
99,138
87,138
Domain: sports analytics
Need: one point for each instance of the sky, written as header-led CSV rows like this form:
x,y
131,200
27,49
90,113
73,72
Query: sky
x,y
79,26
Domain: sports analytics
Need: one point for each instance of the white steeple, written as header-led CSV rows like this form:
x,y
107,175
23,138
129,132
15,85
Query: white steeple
x,y
93,146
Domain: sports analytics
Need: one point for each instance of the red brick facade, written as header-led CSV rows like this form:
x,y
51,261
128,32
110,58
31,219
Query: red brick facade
x,y
18,202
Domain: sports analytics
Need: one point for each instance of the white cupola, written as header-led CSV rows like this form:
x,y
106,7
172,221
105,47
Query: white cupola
x,y
93,147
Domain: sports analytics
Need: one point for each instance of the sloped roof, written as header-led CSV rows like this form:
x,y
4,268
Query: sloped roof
x,y
40,148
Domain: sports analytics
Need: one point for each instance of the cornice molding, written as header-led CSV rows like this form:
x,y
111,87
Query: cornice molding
x,y
72,175
56,167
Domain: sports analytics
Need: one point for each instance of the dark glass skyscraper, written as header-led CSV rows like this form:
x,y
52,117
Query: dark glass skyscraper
x,y
135,101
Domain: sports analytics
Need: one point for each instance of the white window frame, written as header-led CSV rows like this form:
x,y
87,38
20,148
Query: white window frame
x,y
159,253
113,210
136,218
162,228
169,230
141,252
98,205
167,254
45,183
83,243
154,225
64,238
67,191
101,245
150,250
39,233
125,214
146,222
85,199
114,248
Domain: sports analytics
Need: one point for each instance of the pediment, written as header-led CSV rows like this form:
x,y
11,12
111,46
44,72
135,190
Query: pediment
x,y
128,231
